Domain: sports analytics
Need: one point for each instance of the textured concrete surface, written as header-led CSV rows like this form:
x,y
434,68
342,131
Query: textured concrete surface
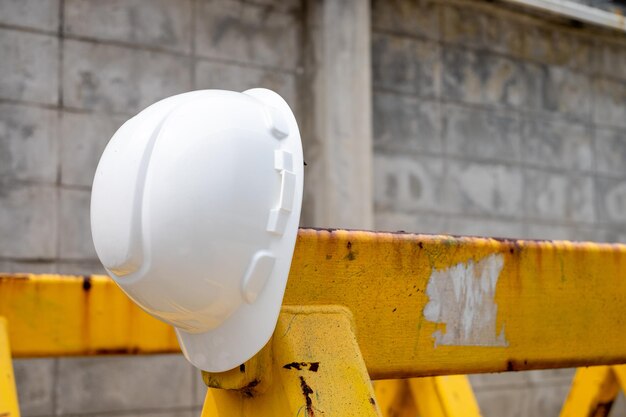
x,y
489,122
83,139
137,22
485,121
501,118
31,229
71,72
138,382
29,66
246,33
119,79
36,381
32,14
29,143
336,87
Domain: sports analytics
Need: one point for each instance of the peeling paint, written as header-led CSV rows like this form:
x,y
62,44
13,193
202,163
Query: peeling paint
x,y
462,298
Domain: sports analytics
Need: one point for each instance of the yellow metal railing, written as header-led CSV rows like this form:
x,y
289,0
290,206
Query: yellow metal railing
x,y
364,306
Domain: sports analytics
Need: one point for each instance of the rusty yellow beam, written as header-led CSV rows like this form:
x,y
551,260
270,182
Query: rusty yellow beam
x,y
52,315
432,305
8,393
422,304
313,366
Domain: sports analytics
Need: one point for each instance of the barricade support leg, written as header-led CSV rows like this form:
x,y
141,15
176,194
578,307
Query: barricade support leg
x,y
439,396
311,367
592,393
8,393
444,396
395,398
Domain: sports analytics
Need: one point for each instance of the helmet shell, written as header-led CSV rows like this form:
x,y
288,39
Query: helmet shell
x,y
194,212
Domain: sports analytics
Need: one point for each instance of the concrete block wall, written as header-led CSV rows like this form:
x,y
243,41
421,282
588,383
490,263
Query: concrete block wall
x,y
71,72
490,122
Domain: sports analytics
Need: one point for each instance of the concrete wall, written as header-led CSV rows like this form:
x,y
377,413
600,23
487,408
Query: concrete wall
x,y
485,122
70,73
488,122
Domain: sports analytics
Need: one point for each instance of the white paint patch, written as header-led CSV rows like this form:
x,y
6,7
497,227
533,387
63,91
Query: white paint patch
x,y
462,298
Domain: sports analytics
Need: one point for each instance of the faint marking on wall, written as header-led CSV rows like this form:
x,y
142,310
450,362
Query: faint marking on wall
x,y
462,298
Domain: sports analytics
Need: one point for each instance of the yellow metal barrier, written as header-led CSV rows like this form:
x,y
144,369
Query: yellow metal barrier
x,y
537,296
53,315
312,365
395,398
368,305
8,395
439,396
594,390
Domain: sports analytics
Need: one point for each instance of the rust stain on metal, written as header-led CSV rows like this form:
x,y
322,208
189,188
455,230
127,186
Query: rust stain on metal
x,y
86,317
602,409
248,390
311,366
351,256
86,283
119,351
510,366
14,277
307,391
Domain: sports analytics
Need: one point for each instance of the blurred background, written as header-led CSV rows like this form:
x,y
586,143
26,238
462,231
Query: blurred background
x,y
444,116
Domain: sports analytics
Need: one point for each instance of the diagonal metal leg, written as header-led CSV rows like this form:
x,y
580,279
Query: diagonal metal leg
x,y
311,367
444,396
592,393
8,393
439,396
620,373
395,398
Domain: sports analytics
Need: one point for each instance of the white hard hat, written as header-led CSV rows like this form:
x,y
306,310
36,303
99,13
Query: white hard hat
x,y
194,213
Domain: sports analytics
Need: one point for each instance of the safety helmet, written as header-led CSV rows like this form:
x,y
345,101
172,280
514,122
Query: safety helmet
x,y
194,213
